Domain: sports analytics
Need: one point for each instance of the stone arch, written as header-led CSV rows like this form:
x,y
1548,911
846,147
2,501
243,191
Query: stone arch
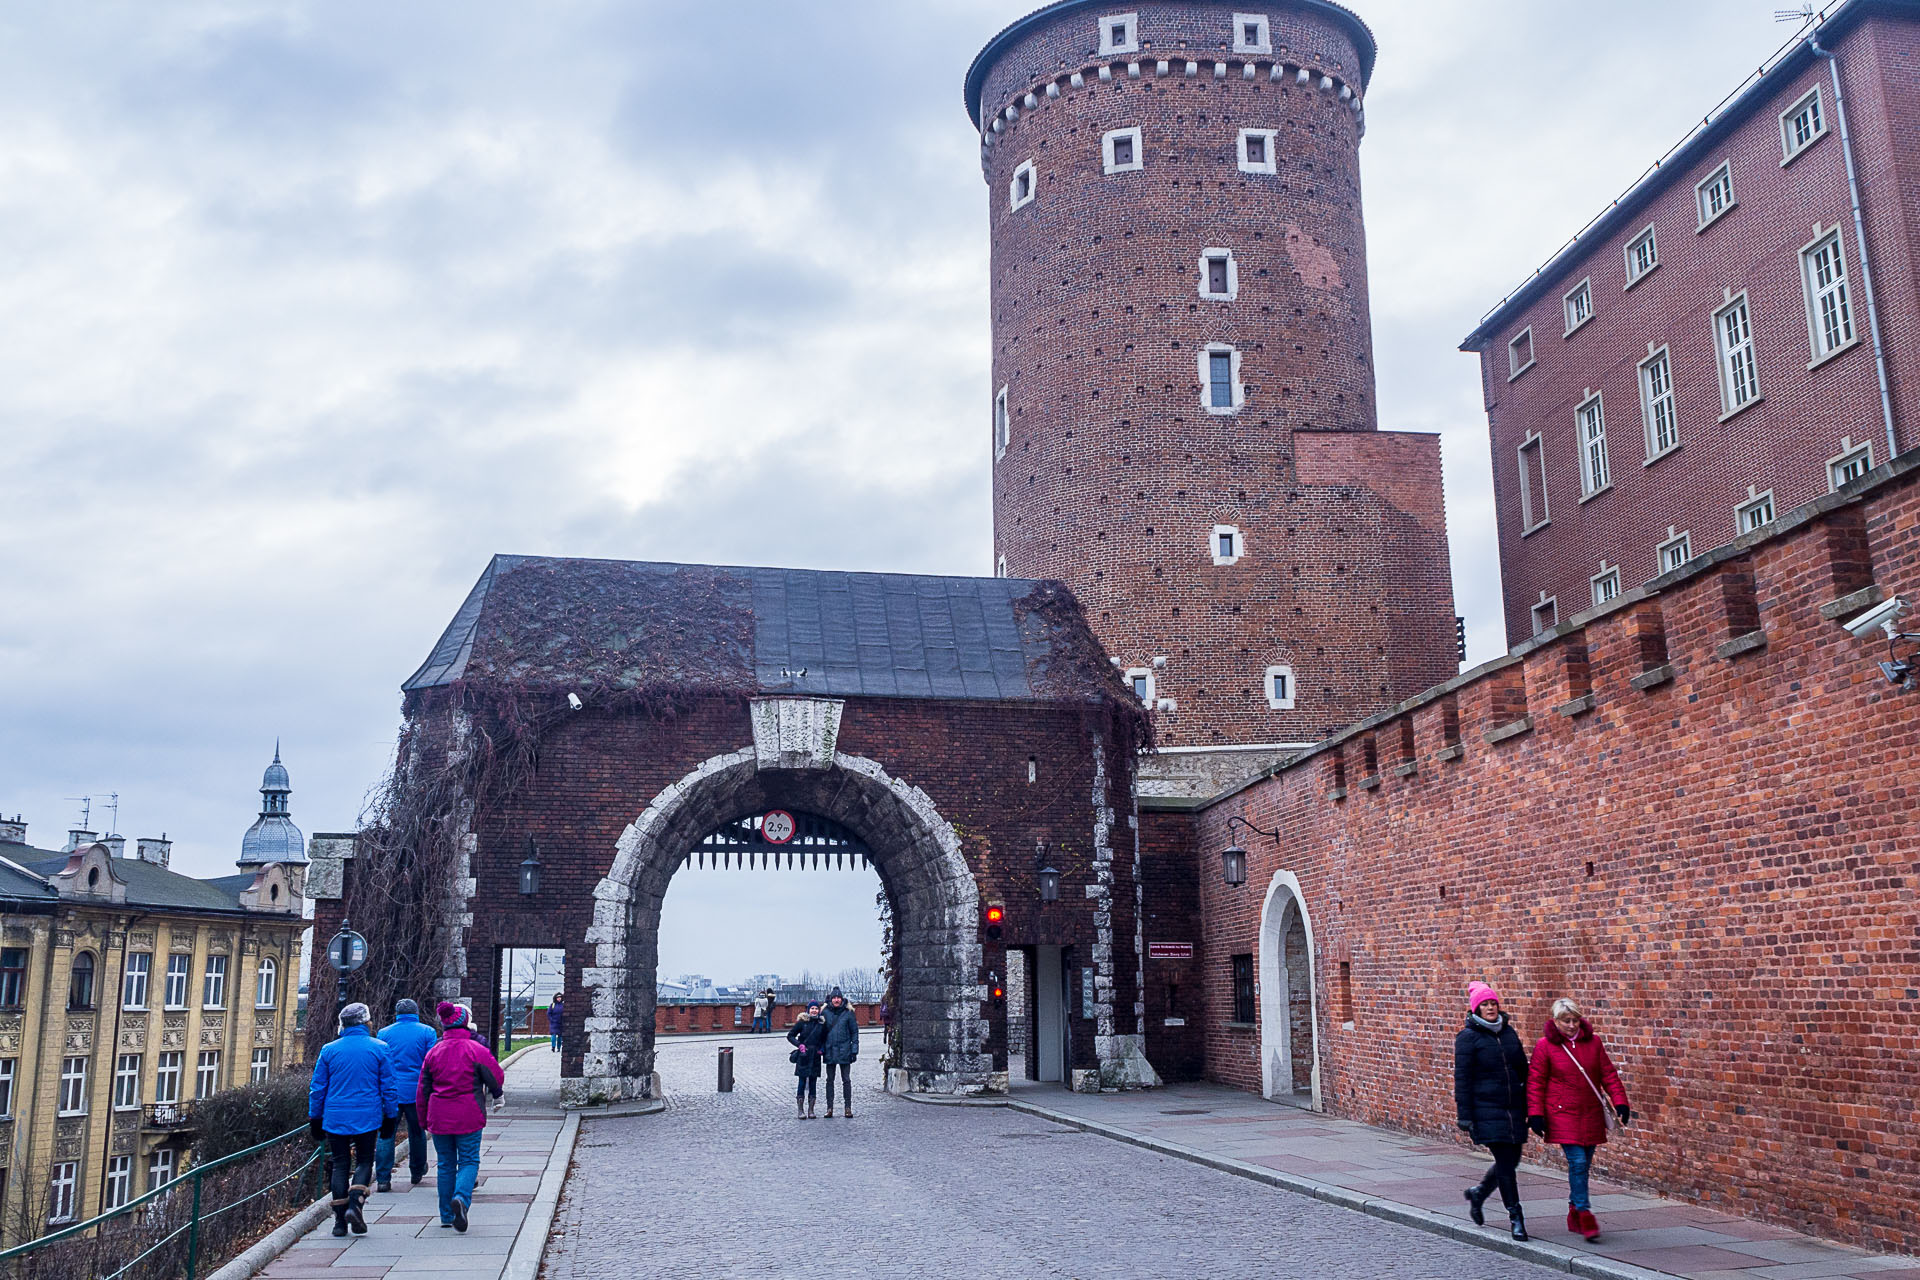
x,y
1289,1014
936,909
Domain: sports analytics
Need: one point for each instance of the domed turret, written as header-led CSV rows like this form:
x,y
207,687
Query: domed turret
x,y
273,837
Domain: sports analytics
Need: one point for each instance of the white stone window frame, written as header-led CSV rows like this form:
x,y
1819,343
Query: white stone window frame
x,y
1636,272
261,1066
1585,287
63,1191
1111,166
1239,544
126,1082
1849,453
1206,380
1000,567
1528,524
1817,343
1721,176
1681,542
1792,147
1727,357
1002,424
1015,201
1514,367
1263,33
1271,164
1129,25
1133,674
1207,258
1756,504
1657,357
71,1100
1550,606
1605,585
1281,688
1596,465
119,1187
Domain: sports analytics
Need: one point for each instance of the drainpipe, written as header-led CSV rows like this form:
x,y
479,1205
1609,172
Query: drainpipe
x,y
1860,238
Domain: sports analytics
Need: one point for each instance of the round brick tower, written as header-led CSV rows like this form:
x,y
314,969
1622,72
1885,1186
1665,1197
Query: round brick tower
x,y
1183,415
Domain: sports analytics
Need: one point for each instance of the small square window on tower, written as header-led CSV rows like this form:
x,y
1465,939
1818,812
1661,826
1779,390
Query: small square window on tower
x,y
1227,544
1220,389
1577,305
1257,150
1605,584
1020,191
1251,33
1755,513
1853,462
1121,151
1802,125
1219,275
1280,688
1120,33
1520,353
1140,680
1546,614
1675,551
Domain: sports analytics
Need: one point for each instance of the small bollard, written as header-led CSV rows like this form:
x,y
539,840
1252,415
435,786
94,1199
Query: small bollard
x,y
726,1069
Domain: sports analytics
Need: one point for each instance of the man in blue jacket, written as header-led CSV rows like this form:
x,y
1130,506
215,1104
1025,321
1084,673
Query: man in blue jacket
x,y
408,1039
353,1101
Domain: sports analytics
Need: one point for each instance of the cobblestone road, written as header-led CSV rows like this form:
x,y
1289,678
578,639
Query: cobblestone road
x,y
732,1185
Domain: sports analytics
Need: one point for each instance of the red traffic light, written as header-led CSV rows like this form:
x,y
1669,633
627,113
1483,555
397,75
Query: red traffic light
x,y
999,994
996,914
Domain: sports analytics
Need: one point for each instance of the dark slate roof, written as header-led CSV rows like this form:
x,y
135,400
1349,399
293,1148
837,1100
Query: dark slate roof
x,y
15,882
148,885
599,624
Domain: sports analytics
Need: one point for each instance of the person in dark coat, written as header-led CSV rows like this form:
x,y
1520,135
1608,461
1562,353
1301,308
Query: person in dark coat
x,y
353,1102
1565,1103
556,1019
1490,1100
842,1048
807,1034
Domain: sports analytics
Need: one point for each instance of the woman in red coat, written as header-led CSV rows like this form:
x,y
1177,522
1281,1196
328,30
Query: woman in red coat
x,y
1565,1103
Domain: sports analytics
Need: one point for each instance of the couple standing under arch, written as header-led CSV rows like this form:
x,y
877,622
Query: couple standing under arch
x,y
829,1037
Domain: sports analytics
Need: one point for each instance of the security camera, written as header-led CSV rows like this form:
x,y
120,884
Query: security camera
x,y
573,700
1882,617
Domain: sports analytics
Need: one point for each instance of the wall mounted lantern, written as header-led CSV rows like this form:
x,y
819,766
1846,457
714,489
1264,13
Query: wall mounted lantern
x,y
1049,883
1233,859
530,870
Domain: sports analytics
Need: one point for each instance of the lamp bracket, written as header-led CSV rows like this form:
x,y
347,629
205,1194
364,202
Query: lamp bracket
x,y
1236,820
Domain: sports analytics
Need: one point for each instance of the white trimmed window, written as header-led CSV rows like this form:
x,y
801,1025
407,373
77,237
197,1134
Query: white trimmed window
x,y
1219,275
213,987
8,1066
1577,303
133,987
119,1181
1643,255
262,1065
1755,513
1802,125
1140,680
1605,584
1739,371
1280,688
1002,425
1257,150
73,1086
126,1082
1546,614
179,974
61,1191
1675,551
1252,33
1823,273
1226,544
1520,353
1852,463
266,984
1533,485
1657,412
1000,567
1220,389
166,1079
159,1169
1120,33
1714,196
1020,191
1120,151
206,1076
1591,421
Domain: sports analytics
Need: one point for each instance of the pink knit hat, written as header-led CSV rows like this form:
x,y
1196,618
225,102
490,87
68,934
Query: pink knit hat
x,y
1479,993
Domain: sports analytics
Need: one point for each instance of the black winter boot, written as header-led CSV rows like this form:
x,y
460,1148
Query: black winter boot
x,y
1519,1224
1476,1202
339,1217
356,1220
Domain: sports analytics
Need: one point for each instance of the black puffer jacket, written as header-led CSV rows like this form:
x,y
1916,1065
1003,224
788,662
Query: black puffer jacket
x,y
807,1034
843,1034
1490,1081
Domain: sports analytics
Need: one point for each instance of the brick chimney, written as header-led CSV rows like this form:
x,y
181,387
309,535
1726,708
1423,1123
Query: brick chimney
x,y
78,839
148,849
13,829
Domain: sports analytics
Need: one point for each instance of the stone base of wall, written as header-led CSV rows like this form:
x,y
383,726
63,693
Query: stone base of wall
x,y
1201,775
598,1091
950,1083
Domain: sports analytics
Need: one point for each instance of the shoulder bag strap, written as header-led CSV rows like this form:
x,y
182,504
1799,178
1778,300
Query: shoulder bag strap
x,y
1606,1108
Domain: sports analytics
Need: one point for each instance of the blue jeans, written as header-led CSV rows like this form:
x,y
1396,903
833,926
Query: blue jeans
x,y
556,1039
457,1168
1579,1164
763,1022
416,1149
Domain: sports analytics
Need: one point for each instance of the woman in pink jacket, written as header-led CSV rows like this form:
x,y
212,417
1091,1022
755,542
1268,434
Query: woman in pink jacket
x,y
455,1079
1569,1090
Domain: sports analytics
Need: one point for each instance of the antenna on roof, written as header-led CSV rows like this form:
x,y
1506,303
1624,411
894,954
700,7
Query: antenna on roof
x,y
1803,14
113,803
86,811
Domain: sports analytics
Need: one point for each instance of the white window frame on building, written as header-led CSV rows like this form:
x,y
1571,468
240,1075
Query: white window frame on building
x,y
1755,513
1852,462
180,971
1239,391
1643,255
1000,567
1605,585
1529,473
213,984
73,1086
9,1070
1281,688
1134,676
159,1168
1716,186
1590,428
1126,26
1109,151
169,1075
62,1190
1547,608
206,1074
1734,356
1801,125
1269,145
1226,544
266,983
1256,25
126,1082
261,1067
119,1181
136,979
1002,425
1023,186
1576,305
1823,277
1659,410
1515,365
1674,552
1224,259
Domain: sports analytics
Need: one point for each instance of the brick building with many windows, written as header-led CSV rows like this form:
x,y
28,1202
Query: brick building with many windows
x,y
1734,337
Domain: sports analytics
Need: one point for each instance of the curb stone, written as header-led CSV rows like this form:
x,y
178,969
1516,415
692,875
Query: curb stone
x,y
265,1251
530,1244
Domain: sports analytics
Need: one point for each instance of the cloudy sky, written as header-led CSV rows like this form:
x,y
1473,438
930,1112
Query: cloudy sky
x,y
309,309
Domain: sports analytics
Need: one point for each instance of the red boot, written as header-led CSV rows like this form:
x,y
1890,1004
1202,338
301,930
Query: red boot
x,y
1588,1227
1573,1221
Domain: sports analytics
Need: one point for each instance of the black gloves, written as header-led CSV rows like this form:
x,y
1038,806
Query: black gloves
x,y
313,1127
1463,1127
1625,1113
388,1125
1538,1124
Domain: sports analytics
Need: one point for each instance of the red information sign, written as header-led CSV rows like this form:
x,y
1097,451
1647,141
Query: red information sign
x,y
1169,951
778,826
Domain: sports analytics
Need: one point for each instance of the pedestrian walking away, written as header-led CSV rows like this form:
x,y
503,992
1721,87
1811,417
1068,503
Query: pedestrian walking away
x,y
806,1035
1490,1100
353,1102
407,1041
455,1080
1566,1105
556,1017
841,1049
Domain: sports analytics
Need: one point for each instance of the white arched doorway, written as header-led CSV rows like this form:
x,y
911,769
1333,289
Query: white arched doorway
x,y
1289,1005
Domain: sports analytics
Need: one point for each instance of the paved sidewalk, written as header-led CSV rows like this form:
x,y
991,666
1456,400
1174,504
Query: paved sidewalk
x,y
1637,1228
404,1236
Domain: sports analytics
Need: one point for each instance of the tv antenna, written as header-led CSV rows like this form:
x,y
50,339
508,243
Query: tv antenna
x,y
1805,13
86,811
113,803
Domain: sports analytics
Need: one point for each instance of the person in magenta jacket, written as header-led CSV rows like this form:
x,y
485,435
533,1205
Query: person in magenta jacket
x,y
455,1079
1569,1088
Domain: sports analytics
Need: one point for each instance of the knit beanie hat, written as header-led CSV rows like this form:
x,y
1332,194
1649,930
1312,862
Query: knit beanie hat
x,y
406,1006
355,1014
451,1014
1479,993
